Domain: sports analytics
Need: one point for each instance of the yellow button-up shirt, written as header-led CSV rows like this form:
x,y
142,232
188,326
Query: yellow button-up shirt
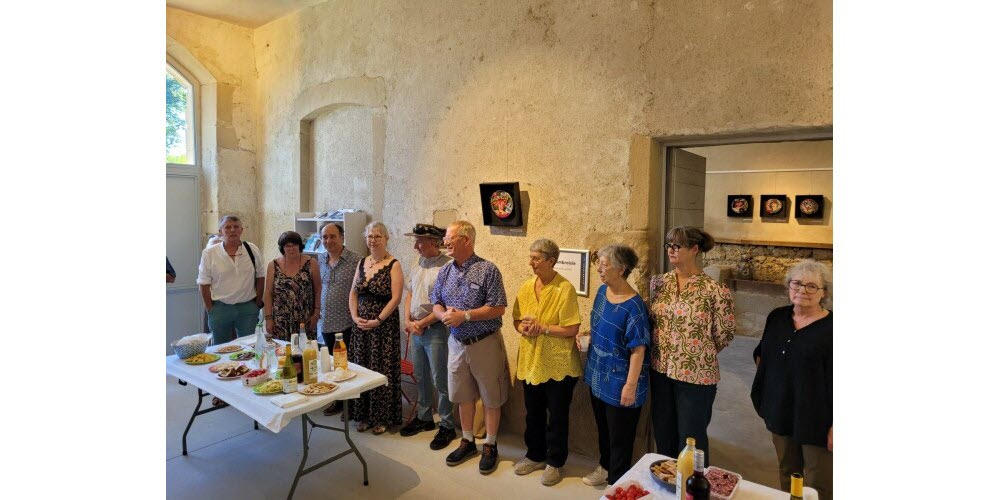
x,y
545,357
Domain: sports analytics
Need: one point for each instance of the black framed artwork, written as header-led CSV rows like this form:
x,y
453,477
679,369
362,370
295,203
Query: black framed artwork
x,y
774,206
809,206
739,205
501,202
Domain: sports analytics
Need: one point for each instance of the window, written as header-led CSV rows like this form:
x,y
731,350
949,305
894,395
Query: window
x,y
180,143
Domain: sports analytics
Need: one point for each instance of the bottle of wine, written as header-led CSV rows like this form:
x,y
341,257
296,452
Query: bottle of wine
x,y
310,364
297,349
685,466
339,352
796,486
289,379
697,486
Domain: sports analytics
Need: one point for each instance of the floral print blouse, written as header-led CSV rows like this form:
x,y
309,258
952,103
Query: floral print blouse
x,y
690,328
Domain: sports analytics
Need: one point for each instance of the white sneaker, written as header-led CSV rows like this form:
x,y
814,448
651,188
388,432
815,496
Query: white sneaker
x,y
551,475
527,466
596,478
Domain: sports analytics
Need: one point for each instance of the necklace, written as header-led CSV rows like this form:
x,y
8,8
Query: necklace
x,y
372,263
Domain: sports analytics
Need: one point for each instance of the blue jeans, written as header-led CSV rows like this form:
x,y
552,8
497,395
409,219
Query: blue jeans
x,y
430,363
224,317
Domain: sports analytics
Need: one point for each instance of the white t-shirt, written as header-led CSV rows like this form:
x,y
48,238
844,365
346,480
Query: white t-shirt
x,y
232,281
423,275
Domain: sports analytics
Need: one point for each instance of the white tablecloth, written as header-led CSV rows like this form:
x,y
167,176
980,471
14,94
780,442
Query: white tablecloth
x,y
260,408
745,491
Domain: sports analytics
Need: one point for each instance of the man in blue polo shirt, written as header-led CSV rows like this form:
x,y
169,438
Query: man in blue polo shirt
x,y
469,298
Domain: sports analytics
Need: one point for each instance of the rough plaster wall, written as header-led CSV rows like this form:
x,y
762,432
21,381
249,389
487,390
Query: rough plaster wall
x,y
550,94
770,156
342,154
229,181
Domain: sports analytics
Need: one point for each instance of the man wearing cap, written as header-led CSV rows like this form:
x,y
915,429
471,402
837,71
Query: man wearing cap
x,y
337,265
469,298
429,336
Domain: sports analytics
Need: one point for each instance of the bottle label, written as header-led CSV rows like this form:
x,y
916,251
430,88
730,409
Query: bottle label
x,y
340,359
289,385
680,485
313,369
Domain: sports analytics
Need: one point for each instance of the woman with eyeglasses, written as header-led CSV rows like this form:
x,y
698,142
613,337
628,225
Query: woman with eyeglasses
x,y
373,302
617,366
693,320
793,388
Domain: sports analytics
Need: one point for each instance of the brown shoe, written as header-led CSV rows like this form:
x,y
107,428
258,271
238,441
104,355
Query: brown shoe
x,y
334,408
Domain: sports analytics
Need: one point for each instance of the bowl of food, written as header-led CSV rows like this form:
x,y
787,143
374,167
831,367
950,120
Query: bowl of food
x,y
665,473
191,345
724,482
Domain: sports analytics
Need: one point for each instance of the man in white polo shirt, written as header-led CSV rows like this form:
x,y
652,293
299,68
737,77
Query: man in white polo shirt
x,y
231,278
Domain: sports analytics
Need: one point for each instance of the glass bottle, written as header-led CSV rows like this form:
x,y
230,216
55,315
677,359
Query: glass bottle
x,y
796,486
685,466
697,486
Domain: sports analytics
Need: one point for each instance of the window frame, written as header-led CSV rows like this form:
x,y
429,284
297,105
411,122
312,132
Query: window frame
x,y
194,121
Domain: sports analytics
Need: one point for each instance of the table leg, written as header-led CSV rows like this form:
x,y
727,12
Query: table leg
x,y
198,411
303,470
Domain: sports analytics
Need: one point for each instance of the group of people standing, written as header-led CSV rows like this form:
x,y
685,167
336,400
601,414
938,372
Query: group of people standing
x,y
665,350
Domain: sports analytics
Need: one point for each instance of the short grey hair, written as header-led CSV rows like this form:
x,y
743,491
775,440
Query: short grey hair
x,y
546,247
810,267
227,218
620,256
377,226
465,228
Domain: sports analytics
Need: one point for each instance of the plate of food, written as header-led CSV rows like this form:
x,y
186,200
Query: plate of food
x,y
724,482
202,359
665,473
318,389
268,388
242,356
740,206
229,348
502,203
224,364
773,206
233,372
339,375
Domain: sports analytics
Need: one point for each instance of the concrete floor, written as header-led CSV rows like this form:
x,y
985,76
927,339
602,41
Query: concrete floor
x,y
228,459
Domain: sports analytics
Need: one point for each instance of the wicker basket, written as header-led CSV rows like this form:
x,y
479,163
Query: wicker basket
x,y
190,349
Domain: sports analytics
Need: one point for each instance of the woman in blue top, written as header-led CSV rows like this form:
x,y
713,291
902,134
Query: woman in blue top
x,y
617,365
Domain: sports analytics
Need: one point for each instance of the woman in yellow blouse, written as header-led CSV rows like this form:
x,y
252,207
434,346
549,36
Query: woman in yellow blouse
x,y
547,316
693,320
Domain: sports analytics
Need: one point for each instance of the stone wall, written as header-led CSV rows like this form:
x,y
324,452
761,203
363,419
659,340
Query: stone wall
x,y
769,263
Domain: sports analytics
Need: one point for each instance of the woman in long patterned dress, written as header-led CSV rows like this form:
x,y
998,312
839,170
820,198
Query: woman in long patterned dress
x,y
290,289
693,320
377,291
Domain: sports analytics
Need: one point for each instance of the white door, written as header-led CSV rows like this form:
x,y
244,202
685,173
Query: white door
x,y
184,305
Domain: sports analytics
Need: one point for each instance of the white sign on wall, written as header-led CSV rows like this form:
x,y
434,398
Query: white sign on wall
x,y
574,265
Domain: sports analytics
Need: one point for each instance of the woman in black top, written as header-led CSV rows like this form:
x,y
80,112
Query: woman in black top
x,y
793,388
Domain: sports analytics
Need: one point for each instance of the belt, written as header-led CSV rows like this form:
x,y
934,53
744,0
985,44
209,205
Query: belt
x,y
475,339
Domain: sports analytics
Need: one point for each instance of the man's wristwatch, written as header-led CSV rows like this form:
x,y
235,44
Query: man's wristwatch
x,y
468,316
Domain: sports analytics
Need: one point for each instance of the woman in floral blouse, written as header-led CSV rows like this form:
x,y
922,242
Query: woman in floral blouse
x,y
693,319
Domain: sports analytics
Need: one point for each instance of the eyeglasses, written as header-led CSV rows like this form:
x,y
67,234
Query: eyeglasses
x,y
796,285
374,237
673,246
448,239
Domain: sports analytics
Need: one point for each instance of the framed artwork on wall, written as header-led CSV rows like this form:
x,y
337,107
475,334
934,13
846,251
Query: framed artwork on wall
x,y
739,205
501,203
773,206
809,206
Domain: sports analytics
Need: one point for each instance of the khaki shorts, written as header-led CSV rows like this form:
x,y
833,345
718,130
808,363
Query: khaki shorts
x,y
478,370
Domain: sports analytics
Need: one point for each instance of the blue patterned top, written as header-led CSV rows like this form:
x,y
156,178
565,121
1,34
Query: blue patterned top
x,y
615,330
476,283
